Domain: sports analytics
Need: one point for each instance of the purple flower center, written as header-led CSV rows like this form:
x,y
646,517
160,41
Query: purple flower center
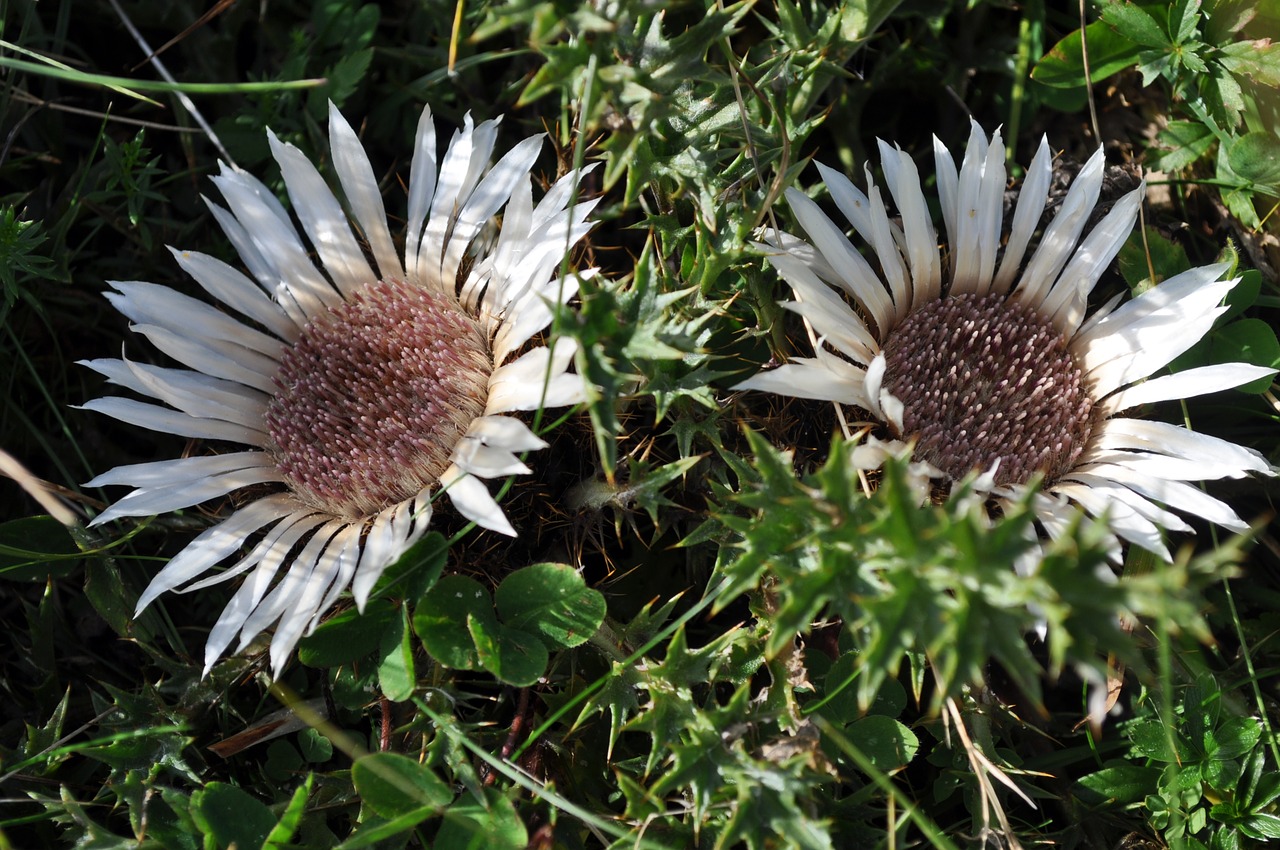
x,y
985,379
374,396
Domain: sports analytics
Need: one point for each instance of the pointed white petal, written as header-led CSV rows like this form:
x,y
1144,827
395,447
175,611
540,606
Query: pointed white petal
x,y
1148,332
162,419
874,384
216,543
236,291
153,501
1119,516
307,608
488,197
1147,508
483,461
517,223
458,173
531,246
1185,384
805,270
881,402
496,289
422,187
985,482
1031,201
1062,234
843,329
852,272
991,210
473,501
532,314
1168,294
214,357
361,188
531,369
1056,514
245,248
1065,305
829,380
784,243
390,533
1100,313
1175,494
339,561
948,189
287,594
894,413
298,521
831,315
921,239
160,473
1176,441
234,614
895,273
966,246
269,559
298,306
197,395
322,218
506,433
525,382
563,390
1164,466
559,202
849,199
152,304
275,238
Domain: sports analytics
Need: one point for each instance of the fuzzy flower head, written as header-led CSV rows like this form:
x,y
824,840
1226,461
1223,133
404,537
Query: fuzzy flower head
x,y
990,362
357,394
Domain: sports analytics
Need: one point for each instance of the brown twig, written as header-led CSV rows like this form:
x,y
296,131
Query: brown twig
x,y
515,735
384,738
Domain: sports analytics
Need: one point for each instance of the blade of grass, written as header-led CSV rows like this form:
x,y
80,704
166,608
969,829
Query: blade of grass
x,y
62,66
130,87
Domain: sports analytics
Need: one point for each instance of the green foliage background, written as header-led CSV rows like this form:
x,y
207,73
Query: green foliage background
x,y
758,654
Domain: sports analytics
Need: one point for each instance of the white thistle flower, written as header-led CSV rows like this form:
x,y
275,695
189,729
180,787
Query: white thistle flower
x,y
358,394
993,364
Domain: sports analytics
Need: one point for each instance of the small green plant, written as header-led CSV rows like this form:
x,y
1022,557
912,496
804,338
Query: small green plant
x,y
21,260
1202,775
1212,73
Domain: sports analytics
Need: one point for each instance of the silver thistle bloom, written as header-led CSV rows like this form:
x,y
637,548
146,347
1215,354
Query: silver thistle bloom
x,y
993,364
358,394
